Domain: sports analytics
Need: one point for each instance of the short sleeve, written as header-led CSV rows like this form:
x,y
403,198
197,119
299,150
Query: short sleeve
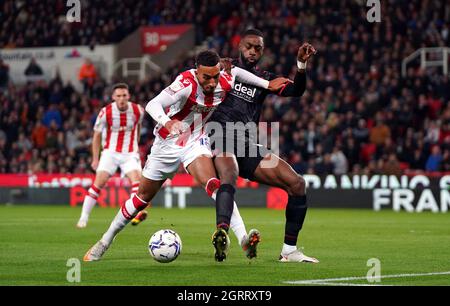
x,y
100,122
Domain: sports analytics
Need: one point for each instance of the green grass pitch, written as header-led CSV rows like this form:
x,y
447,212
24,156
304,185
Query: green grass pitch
x,y
37,241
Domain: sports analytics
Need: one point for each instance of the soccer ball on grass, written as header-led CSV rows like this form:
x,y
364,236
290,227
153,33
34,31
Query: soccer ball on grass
x,y
165,245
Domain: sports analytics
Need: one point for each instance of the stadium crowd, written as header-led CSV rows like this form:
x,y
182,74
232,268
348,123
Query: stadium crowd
x,y
358,115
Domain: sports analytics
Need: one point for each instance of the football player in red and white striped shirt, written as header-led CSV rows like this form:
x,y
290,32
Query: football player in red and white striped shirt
x,y
180,139
118,125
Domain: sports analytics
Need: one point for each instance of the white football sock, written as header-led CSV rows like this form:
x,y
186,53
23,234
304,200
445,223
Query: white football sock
x,y
127,212
288,249
89,202
237,225
116,226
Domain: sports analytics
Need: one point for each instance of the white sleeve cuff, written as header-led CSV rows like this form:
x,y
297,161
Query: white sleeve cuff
x,y
163,120
301,65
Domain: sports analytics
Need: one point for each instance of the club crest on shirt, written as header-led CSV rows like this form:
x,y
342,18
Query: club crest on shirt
x,y
176,87
102,112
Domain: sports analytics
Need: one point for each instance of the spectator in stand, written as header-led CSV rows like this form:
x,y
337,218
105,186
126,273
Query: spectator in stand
x,y
340,163
445,164
418,160
433,132
39,135
87,75
52,135
380,133
392,166
324,165
33,69
434,160
23,143
4,74
298,164
361,132
52,115
3,135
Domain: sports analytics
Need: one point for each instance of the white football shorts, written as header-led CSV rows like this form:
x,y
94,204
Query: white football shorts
x,y
110,161
166,156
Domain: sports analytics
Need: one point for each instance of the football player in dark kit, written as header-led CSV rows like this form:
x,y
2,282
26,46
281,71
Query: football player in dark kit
x,y
244,104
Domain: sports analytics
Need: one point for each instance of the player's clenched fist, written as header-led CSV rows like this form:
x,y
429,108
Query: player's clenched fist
x,y
226,64
277,84
175,127
305,51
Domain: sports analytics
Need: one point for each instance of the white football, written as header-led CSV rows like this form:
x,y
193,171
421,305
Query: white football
x,y
165,245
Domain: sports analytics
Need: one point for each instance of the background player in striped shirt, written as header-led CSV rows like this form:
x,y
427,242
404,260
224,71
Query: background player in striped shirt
x,y
180,139
118,124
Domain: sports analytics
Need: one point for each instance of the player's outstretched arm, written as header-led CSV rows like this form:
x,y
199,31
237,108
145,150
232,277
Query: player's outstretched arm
x,y
305,52
249,78
278,83
297,88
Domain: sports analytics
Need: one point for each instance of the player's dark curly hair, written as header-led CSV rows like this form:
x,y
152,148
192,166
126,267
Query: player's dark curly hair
x,y
255,32
207,58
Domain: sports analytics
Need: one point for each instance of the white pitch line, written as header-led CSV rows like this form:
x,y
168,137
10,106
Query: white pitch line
x,y
343,284
326,281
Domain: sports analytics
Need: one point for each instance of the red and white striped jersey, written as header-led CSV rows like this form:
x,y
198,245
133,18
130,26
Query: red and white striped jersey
x,y
193,106
120,129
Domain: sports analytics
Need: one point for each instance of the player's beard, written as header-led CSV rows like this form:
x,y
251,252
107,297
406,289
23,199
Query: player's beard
x,y
209,91
247,64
